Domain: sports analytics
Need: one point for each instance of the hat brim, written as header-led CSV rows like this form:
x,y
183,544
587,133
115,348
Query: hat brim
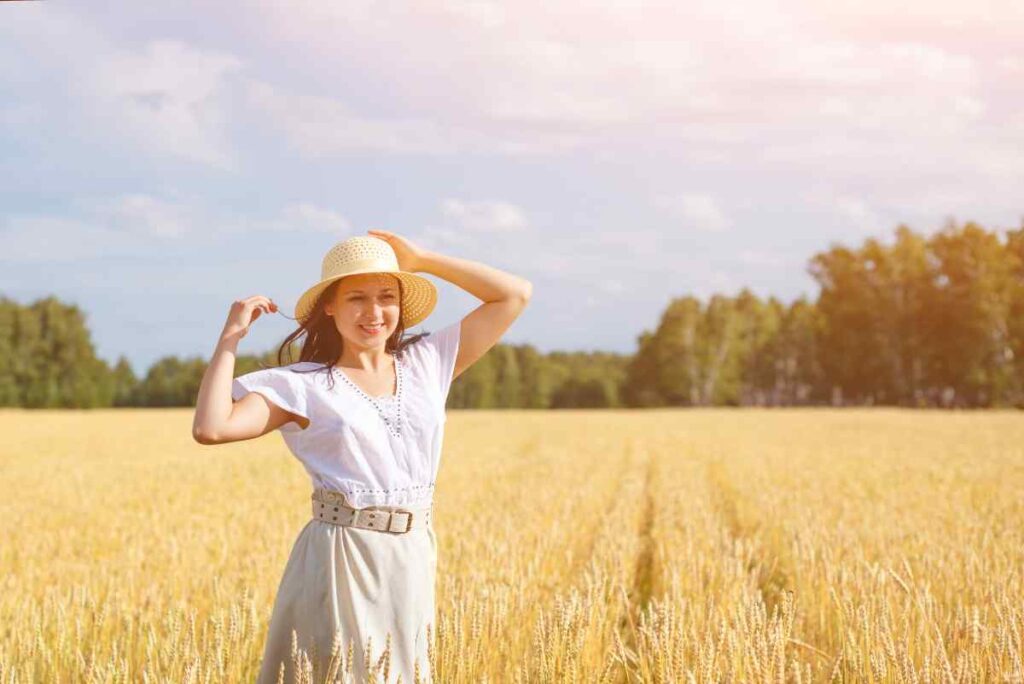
x,y
419,296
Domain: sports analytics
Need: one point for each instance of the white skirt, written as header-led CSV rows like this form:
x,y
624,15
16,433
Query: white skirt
x,y
359,586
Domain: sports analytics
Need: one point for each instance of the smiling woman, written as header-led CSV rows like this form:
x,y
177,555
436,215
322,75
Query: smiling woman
x,y
362,572
350,293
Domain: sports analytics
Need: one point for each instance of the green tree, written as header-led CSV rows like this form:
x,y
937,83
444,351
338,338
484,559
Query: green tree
x,y
974,355
1015,327
10,358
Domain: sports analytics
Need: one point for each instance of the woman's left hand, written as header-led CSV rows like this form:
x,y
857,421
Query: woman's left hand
x,y
410,257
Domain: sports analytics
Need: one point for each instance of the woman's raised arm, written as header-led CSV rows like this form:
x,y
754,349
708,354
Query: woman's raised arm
x,y
218,417
504,295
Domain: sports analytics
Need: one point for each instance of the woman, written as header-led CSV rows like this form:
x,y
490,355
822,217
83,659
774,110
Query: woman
x,y
360,578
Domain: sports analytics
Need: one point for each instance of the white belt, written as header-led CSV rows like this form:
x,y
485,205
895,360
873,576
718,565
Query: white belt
x,y
330,507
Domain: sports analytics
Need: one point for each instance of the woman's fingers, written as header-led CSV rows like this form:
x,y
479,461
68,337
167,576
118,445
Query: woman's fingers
x,y
247,310
258,299
264,303
244,313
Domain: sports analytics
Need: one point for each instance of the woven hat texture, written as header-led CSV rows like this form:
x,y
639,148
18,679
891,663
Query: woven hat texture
x,y
368,254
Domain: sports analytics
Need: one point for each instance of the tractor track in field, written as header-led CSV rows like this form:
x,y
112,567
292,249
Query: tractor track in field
x,y
770,567
642,585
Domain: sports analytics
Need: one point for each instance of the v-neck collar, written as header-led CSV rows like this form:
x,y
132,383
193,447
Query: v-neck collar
x,y
383,397
387,406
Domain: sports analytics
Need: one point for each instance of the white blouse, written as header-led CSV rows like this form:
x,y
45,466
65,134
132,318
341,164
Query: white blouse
x,y
378,451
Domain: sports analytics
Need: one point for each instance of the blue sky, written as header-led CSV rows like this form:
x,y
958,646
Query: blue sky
x,y
161,161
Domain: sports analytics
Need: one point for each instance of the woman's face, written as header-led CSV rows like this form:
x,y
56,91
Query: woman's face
x,y
366,308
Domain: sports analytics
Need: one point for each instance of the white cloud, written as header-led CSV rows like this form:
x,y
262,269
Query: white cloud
x,y
148,214
891,114
484,14
944,202
630,63
97,227
610,286
440,237
1011,63
698,211
488,227
169,97
296,217
487,216
757,258
716,82
65,76
553,263
856,214
318,125
790,91
634,243
127,223
306,216
326,126
850,218
31,239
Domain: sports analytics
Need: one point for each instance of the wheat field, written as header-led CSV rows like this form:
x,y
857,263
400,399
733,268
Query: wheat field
x,y
702,545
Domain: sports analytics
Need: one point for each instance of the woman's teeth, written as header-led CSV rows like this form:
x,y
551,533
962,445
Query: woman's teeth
x,y
372,329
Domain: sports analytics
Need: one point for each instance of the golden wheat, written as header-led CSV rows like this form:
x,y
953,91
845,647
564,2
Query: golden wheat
x,y
709,545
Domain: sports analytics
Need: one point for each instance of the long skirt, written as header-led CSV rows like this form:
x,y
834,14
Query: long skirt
x,y
348,588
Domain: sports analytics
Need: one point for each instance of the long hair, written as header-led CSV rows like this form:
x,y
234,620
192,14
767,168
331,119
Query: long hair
x,y
323,343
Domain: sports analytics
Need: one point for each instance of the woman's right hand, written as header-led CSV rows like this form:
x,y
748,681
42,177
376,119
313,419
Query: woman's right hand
x,y
244,313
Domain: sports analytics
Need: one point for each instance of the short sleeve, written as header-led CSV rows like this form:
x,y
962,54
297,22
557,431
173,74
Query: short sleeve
x,y
440,349
280,386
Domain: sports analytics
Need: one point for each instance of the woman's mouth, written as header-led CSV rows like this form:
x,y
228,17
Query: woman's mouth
x,y
372,329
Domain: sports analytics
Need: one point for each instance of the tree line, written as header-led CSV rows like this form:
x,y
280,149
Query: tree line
x,y
915,321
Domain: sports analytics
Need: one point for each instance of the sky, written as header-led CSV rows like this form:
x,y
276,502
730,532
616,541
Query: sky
x,y
160,160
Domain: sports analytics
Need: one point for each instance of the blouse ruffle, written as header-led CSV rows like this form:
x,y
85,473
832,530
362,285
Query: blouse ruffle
x,y
280,386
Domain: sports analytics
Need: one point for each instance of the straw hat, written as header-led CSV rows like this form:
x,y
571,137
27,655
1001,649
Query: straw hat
x,y
368,254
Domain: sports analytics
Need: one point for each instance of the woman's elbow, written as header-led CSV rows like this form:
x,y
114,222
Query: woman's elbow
x,y
527,291
204,437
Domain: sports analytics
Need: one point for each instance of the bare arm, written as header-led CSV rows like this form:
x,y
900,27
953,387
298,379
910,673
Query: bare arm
x,y
504,295
218,417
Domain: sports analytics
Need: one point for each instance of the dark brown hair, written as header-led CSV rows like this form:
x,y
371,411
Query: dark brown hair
x,y
323,343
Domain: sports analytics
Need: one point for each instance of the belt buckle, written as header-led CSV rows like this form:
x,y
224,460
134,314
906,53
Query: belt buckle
x,y
407,527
